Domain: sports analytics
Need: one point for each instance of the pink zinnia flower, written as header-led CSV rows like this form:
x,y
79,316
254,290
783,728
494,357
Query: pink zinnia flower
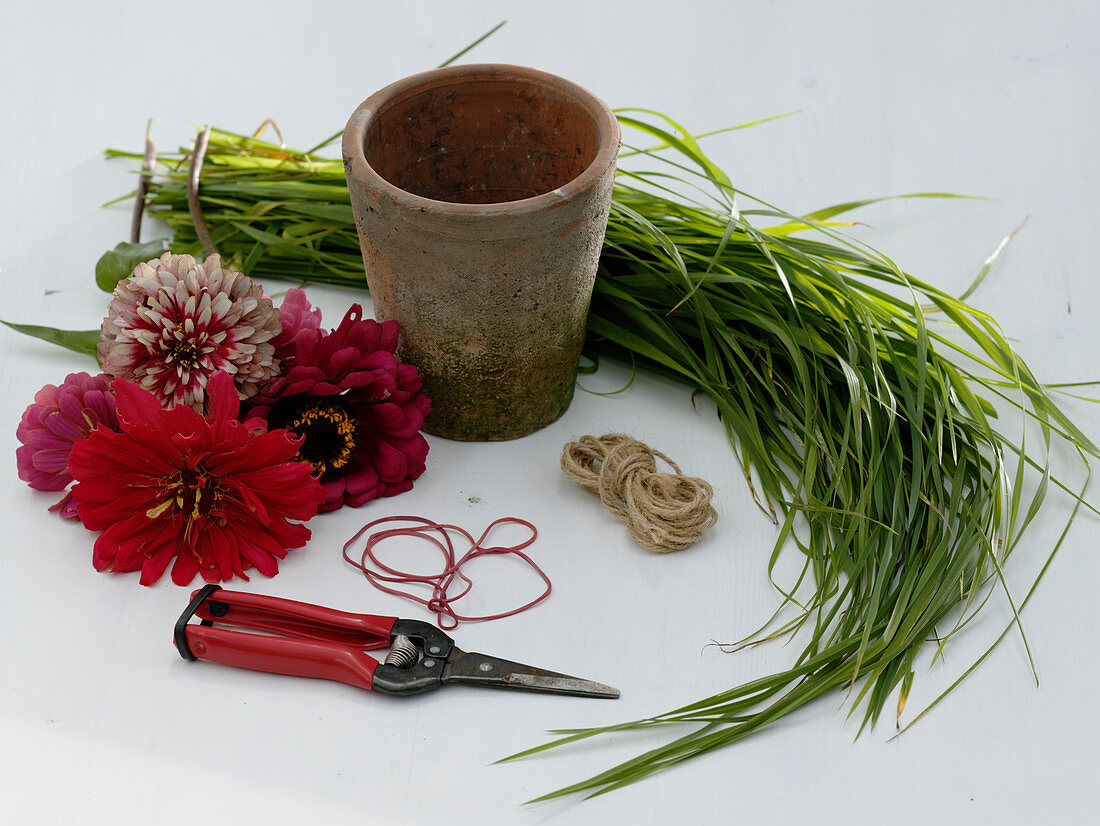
x,y
205,492
358,411
298,318
59,417
175,322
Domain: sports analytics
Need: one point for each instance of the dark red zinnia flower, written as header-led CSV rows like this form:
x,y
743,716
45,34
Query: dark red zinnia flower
x,y
358,410
204,491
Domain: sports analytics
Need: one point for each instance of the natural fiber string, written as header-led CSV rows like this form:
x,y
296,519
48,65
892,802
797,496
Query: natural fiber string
x,y
441,601
662,511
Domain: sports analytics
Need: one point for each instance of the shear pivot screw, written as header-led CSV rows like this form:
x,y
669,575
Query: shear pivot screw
x,y
486,667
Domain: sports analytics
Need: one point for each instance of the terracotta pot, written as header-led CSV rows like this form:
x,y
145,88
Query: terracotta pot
x,y
481,196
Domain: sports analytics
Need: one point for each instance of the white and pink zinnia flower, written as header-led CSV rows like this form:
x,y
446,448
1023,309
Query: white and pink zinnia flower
x,y
176,322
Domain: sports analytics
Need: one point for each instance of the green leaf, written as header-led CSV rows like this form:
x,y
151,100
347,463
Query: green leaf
x,y
115,265
79,341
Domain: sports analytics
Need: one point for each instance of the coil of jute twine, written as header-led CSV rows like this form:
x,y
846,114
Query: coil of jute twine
x,y
663,511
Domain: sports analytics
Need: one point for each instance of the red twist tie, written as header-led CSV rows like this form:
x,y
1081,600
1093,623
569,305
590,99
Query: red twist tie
x,y
442,601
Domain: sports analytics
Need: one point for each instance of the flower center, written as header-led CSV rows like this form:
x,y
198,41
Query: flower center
x,y
184,352
195,493
328,432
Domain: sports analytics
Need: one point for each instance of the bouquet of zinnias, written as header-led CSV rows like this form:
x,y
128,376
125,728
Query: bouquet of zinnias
x,y
220,423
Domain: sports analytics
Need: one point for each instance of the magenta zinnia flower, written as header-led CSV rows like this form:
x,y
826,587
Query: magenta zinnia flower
x,y
59,417
203,491
175,322
358,410
298,318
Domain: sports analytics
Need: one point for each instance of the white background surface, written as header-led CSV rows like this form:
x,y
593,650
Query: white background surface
x,y
101,721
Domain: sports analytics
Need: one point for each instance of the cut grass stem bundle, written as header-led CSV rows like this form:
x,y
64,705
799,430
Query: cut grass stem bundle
x,y
866,429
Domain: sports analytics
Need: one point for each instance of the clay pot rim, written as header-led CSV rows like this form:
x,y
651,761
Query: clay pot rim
x,y
607,125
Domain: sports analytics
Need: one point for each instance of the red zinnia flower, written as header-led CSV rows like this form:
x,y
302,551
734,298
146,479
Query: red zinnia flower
x,y
204,491
358,411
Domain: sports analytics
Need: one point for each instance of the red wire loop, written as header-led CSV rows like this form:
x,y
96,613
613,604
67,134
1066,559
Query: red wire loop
x,y
442,601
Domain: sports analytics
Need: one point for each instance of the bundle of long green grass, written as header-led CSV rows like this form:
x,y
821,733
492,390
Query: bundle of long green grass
x,y
868,433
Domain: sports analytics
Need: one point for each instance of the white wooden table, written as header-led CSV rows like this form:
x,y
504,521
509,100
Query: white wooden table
x,y
101,721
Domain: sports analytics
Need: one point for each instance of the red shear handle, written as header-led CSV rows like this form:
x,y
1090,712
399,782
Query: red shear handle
x,y
283,655
293,619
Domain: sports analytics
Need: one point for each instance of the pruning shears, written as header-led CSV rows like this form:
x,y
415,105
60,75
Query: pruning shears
x,y
304,640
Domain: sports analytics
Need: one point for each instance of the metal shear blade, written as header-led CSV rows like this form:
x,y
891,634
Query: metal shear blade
x,y
492,672
434,660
